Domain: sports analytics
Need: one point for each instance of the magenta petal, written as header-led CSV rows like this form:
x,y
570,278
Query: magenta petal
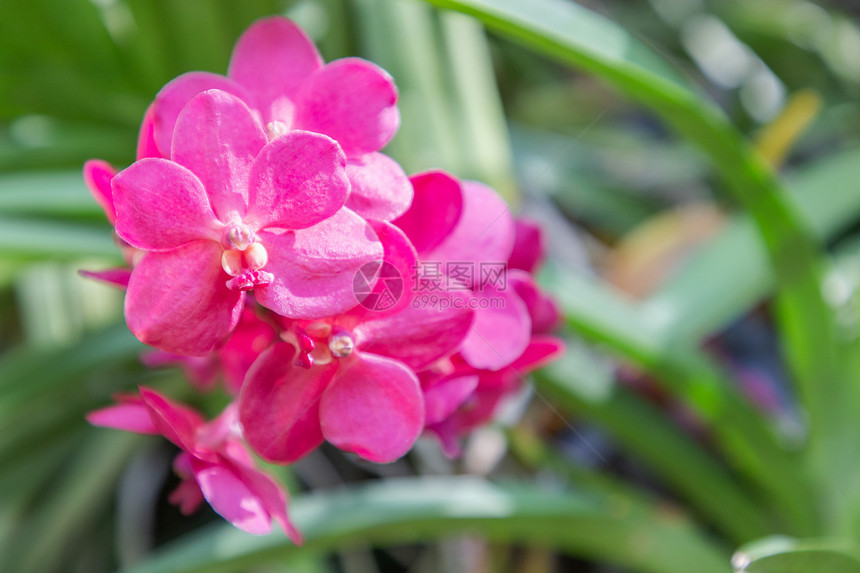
x,y
271,60
97,176
484,233
374,408
161,205
445,395
176,422
419,334
177,301
231,497
394,292
117,277
314,269
435,211
297,181
528,248
352,101
501,330
128,416
272,498
217,138
541,351
278,405
146,146
187,496
176,94
380,188
543,310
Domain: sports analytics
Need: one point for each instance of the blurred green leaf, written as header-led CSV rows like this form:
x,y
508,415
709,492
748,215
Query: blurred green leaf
x,y
786,555
651,539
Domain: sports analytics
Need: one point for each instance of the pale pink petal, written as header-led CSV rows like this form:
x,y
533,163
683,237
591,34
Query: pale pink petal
x,y
374,408
421,333
161,205
176,94
271,60
501,330
97,176
528,249
435,211
146,146
298,180
314,268
385,288
231,497
272,498
178,301
117,277
176,422
217,138
484,233
278,405
380,188
445,395
128,416
351,100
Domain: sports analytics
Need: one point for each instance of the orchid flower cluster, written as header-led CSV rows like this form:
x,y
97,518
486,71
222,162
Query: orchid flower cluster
x,y
272,246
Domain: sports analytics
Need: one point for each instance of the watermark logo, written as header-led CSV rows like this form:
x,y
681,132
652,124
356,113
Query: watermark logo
x,y
377,285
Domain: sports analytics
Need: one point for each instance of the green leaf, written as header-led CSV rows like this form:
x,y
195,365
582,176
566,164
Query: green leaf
x,y
34,238
786,555
643,538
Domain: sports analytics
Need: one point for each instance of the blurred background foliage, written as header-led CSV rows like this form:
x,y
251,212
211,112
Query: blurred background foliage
x,y
712,389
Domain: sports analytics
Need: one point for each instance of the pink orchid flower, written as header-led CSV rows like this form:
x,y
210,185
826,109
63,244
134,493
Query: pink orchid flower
x,y
350,379
276,70
214,464
454,223
233,212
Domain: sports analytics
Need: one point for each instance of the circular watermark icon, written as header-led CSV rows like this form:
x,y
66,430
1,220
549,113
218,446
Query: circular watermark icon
x,y
377,285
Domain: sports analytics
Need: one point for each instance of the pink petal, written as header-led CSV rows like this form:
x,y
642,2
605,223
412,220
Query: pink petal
x,y
541,351
161,205
249,339
272,498
380,188
398,266
351,100
231,497
297,181
176,422
543,310
314,268
178,301
501,330
128,416
435,211
117,277
187,496
374,408
176,94
272,59
97,176
278,405
445,395
217,138
528,249
484,233
146,146
421,333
